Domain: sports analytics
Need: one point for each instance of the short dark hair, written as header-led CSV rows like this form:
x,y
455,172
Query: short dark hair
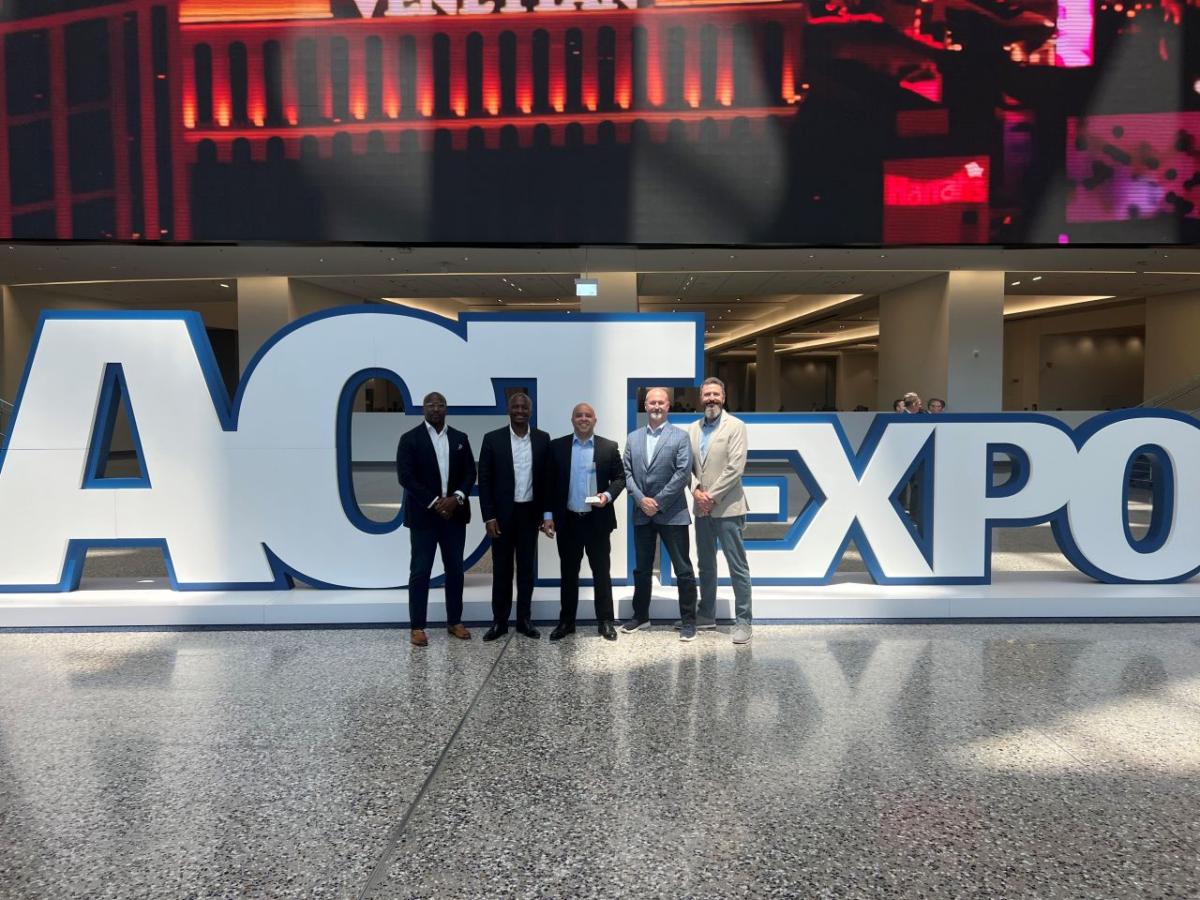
x,y
713,379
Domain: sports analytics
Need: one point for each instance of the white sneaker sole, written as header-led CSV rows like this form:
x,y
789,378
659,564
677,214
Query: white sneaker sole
x,y
686,638
713,627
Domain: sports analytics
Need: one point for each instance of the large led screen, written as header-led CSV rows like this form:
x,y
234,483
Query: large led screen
x,y
760,122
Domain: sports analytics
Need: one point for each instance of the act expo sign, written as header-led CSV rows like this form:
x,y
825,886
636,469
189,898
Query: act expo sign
x,y
247,492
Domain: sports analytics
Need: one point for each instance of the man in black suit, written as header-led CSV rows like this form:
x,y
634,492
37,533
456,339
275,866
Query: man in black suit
x,y
437,469
583,466
512,475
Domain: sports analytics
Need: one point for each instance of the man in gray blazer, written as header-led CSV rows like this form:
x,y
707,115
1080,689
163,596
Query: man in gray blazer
x,y
658,468
718,444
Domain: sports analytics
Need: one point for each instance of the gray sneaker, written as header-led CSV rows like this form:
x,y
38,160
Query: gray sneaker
x,y
635,625
742,634
687,633
701,625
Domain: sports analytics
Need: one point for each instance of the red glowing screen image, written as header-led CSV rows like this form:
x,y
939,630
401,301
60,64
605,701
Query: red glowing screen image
x,y
759,122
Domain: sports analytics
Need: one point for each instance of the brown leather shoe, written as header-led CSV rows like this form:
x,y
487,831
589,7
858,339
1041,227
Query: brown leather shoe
x,y
459,631
418,638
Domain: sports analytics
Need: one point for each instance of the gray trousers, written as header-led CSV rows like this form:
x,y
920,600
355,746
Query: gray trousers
x,y
728,532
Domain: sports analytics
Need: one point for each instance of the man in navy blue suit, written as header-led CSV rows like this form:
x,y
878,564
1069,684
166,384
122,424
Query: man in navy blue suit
x,y
437,470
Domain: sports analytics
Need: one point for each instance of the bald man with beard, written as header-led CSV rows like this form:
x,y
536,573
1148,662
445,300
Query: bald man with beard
x,y
584,476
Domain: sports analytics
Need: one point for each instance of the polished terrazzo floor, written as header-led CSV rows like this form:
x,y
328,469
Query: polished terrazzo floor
x,y
819,761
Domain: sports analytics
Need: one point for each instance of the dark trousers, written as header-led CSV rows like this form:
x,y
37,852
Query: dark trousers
x,y
451,537
518,538
578,534
675,539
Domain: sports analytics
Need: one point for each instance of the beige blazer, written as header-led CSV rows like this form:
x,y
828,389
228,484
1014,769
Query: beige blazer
x,y
720,471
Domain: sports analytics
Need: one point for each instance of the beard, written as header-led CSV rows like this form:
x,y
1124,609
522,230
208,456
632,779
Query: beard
x,y
712,411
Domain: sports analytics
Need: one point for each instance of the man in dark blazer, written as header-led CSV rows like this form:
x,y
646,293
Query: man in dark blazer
x,y
512,476
583,466
437,470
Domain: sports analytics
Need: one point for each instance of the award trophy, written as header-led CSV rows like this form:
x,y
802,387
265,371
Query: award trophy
x,y
593,498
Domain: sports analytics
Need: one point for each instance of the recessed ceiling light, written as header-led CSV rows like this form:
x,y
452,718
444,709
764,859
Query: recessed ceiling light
x,y
224,285
1037,277
1014,283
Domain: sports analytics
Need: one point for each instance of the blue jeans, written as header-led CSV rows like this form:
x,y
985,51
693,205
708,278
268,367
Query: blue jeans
x,y
728,531
645,545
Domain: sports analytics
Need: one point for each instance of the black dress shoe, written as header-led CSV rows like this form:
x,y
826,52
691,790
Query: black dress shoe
x,y
528,630
561,631
496,631
608,631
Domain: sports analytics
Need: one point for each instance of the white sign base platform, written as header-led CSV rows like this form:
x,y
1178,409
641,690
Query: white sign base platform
x,y
151,603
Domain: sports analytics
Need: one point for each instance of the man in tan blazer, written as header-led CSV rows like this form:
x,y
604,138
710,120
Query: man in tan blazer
x,y
718,462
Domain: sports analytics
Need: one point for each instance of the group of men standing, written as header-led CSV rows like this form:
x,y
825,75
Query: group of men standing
x,y
566,489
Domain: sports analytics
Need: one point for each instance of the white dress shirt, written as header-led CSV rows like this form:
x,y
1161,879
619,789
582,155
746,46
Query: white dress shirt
x,y
522,454
441,448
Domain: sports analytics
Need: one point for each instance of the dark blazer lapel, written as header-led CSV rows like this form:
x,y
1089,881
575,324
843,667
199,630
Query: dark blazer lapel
x,y
425,442
506,457
458,444
538,446
600,461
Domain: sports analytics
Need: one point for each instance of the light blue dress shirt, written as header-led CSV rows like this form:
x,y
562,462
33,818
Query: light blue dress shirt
x,y
707,430
583,455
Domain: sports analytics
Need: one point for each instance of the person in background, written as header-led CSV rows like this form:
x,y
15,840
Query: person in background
x,y
898,405
937,405
912,403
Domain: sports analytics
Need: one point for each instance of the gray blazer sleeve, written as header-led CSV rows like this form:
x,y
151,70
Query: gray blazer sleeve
x,y
674,487
631,485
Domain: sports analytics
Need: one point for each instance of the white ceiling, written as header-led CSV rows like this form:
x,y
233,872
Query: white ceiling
x,y
738,290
